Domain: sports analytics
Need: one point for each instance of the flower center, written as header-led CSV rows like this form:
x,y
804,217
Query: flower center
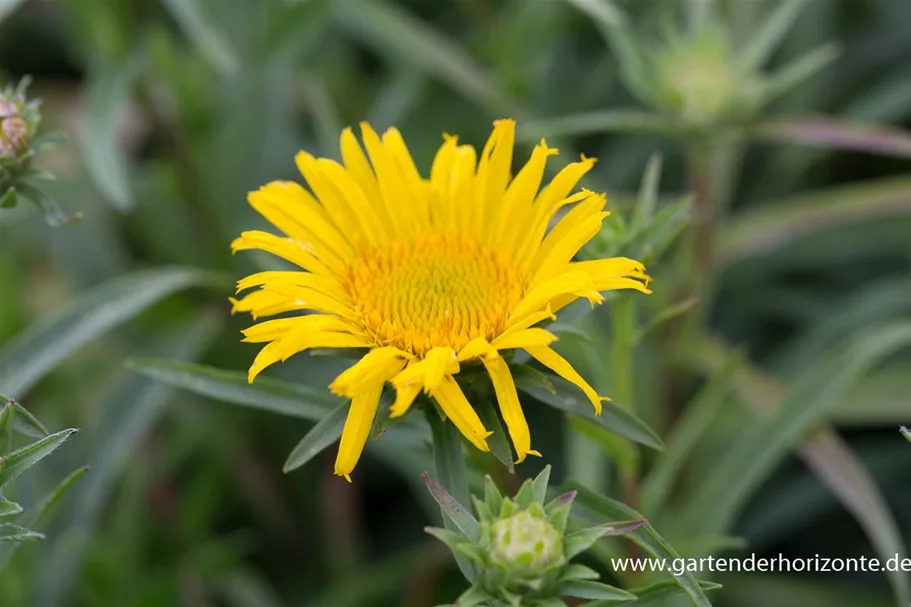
x,y
440,290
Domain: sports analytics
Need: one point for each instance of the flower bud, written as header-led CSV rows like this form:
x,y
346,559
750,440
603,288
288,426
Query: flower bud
x,y
525,543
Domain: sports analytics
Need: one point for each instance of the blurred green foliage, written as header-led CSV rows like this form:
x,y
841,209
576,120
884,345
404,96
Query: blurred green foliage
x,y
771,361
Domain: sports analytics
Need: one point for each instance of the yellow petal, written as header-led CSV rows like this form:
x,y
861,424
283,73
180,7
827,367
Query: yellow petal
x,y
526,338
559,365
510,408
404,397
272,330
378,365
457,408
577,283
290,250
324,284
519,196
269,355
429,372
477,347
357,428
564,249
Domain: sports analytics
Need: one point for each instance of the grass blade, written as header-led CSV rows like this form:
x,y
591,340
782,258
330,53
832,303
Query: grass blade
x,y
267,394
212,44
403,38
41,347
17,462
613,417
327,431
698,416
602,510
770,33
767,442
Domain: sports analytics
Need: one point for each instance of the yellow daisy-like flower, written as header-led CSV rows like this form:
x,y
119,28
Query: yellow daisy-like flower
x,y
427,274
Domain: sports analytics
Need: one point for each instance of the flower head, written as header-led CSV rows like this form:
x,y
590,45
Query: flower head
x,y
518,549
427,275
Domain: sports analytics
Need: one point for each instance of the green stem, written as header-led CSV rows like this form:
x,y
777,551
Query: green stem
x,y
623,325
449,461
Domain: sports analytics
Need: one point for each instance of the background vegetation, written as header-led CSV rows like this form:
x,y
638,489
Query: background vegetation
x,y
777,397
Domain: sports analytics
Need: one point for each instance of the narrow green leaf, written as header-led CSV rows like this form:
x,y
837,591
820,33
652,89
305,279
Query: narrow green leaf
x,y
696,419
578,542
8,508
775,225
7,413
17,462
539,485
845,474
107,98
602,121
53,214
9,198
453,510
474,597
905,432
756,51
764,444
579,572
401,37
612,418
498,441
7,7
587,589
26,423
326,432
267,394
40,348
819,131
647,200
799,71
656,595
198,26
665,316
10,532
493,499
602,12
600,508
652,241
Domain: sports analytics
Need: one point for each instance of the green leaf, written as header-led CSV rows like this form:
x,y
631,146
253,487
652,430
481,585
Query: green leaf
x,y
579,541
905,432
847,477
774,226
403,38
7,7
602,12
267,394
652,241
698,415
198,26
498,441
599,508
656,595
493,499
10,532
8,508
756,51
53,214
539,485
647,200
453,510
474,597
579,572
799,71
597,122
665,316
587,589
17,462
326,432
9,198
612,418
824,132
107,98
40,348
7,413
764,444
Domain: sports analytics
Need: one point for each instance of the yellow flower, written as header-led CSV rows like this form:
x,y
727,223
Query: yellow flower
x,y
427,274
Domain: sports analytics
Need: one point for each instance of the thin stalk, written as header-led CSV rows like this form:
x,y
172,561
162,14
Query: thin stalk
x,y
449,461
623,324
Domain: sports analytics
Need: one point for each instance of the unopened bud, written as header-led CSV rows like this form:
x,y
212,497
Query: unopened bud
x,y
525,542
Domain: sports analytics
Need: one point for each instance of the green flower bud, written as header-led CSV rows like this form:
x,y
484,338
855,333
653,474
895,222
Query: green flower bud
x,y
525,543
699,81
519,549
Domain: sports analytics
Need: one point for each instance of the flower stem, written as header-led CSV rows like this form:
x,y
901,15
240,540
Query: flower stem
x,y
623,325
449,461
